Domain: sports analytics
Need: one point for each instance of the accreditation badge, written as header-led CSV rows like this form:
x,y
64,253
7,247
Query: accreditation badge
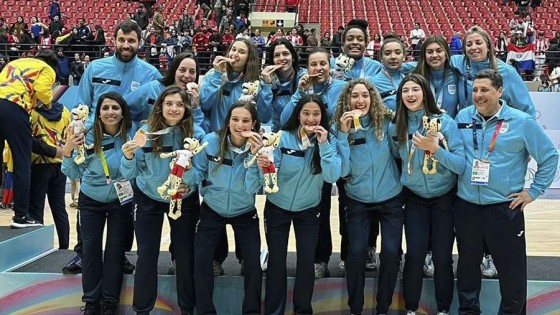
x,y
124,191
480,173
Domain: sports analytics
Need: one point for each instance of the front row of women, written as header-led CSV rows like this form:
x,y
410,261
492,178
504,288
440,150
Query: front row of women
x,y
309,153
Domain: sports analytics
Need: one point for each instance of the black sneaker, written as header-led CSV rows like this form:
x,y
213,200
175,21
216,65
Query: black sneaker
x,y
91,309
128,267
109,309
74,266
23,222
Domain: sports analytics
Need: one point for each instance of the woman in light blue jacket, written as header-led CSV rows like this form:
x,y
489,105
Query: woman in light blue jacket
x,y
229,185
430,165
170,122
373,189
306,157
99,201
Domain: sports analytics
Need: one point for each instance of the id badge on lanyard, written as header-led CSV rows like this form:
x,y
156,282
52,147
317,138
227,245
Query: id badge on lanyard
x,y
480,172
124,191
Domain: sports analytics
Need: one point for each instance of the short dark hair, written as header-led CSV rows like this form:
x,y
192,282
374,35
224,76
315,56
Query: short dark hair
x,y
494,76
127,27
49,57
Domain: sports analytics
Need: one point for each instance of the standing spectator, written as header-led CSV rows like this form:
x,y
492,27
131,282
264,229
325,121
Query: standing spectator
x,y
373,47
513,23
56,25
157,21
242,22
259,42
295,39
337,41
98,40
76,69
312,40
54,9
63,69
19,26
50,128
326,40
488,209
3,24
529,29
417,36
556,39
141,17
226,20
227,40
186,22
501,46
83,31
279,34
37,29
456,44
153,41
33,88
204,5
541,47
200,46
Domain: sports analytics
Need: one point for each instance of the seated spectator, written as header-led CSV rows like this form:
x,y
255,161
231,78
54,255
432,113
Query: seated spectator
x,y
279,34
518,39
312,40
19,26
295,38
326,40
227,40
501,46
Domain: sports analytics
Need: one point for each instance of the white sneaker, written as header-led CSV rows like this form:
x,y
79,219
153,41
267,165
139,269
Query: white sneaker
x,y
429,265
321,270
488,268
264,259
371,260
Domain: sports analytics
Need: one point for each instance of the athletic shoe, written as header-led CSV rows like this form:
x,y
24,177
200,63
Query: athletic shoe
x,y
218,269
429,265
171,270
91,309
23,222
342,265
128,267
74,266
488,268
371,260
264,259
321,270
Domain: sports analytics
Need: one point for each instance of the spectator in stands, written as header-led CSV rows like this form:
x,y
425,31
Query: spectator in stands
x,y
553,55
186,40
259,42
337,41
200,46
312,40
50,128
226,20
186,22
63,68
84,32
171,108
56,25
279,34
33,87
456,44
74,38
204,5
326,40
158,21
529,29
556,39
373,47
103,200
489,210
523,7
502,46
244,33
242,7
242,22
37,29
514,23
541,46
518,39
295,39
417,36
123,67
98,40
429,199
227,40
153,42
298,201
218,10
19,26
54,10
141,17
279,81
479,54
4,25
76,69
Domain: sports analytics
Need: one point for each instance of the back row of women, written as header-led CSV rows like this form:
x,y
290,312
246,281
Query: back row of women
x,y
333,131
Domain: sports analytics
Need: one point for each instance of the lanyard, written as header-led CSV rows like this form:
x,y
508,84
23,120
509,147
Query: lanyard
x,y
105,167
325,85
494,137
466,78
439,100
226,79
391,78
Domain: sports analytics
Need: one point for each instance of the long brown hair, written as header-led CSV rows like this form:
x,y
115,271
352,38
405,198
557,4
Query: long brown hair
x,y
423,68
430,106
98,129
225,131
378,112
156,121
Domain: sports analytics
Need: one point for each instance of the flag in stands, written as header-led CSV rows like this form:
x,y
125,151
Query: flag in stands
x,y
524,56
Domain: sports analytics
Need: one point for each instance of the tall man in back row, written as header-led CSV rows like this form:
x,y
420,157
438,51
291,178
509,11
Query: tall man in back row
x,y
123,73
498,140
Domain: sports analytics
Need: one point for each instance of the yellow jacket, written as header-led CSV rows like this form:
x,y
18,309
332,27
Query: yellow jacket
x,y
52,132
25,81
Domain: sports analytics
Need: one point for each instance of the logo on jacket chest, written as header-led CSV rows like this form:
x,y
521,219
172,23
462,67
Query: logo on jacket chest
x,y
134,85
